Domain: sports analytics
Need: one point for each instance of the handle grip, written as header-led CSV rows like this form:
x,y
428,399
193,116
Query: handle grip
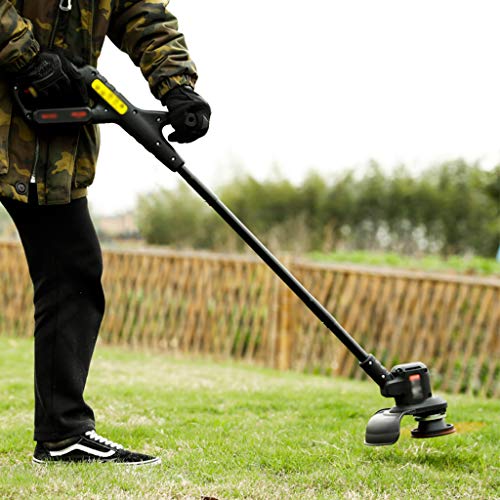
x,y
112,107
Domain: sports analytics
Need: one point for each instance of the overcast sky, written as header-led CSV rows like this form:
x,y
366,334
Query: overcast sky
x,y
320,84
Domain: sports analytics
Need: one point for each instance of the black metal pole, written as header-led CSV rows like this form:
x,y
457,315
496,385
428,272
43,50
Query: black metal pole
x,y
146,127
286,276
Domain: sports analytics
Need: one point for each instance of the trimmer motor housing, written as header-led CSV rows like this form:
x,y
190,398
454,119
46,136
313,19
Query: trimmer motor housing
x,y
409,384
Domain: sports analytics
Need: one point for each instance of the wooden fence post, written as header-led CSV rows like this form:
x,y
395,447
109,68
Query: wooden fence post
x,y
285,323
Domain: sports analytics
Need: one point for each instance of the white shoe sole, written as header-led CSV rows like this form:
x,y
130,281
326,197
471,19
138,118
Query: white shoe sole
x,y
153,461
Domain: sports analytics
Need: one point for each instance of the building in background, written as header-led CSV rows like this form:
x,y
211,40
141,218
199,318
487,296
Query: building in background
x,y
117,227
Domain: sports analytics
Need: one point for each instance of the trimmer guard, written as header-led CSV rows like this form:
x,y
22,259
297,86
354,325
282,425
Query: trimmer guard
x,y
383,428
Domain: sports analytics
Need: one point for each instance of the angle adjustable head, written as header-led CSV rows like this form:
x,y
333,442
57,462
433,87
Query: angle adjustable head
x,y
410,385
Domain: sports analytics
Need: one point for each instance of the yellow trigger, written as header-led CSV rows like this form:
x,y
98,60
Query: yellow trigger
x,y
110,97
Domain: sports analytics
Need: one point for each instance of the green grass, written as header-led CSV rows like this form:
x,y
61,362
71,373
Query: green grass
x,y
432,263
233,431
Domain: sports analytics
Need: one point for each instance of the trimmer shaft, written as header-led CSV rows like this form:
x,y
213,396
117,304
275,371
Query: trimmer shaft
x,y
408,384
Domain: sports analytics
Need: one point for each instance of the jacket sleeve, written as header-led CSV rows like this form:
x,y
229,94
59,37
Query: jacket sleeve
x,y
17,42
149,34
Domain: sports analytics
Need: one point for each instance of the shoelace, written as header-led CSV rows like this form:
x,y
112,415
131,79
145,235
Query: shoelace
x,y
95,437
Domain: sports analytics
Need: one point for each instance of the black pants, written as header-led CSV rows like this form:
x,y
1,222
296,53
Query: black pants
x,y
65,265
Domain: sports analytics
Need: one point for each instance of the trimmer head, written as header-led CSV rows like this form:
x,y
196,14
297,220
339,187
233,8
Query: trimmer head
x,y
432,426
384,427
409,384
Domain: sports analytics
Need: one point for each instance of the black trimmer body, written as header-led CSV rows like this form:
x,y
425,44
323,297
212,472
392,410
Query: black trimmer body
x,y
409,384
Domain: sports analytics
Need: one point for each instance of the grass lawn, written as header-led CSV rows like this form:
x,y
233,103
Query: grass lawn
x,y
233,431
430,263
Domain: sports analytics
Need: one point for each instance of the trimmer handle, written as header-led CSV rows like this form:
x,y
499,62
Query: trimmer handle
x,y
112,107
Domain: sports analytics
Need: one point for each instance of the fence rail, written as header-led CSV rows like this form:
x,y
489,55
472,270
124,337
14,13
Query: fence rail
x,y
234,307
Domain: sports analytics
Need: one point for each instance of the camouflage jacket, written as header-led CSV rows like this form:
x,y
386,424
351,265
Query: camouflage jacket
x,y
63,159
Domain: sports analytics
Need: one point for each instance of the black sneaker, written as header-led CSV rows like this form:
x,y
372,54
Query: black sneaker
x,y
89,447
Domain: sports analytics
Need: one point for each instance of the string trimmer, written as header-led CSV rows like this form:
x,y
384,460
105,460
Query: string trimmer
x,y
409,384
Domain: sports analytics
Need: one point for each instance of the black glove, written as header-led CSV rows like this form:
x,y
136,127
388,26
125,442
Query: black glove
x,y
50,81
189,114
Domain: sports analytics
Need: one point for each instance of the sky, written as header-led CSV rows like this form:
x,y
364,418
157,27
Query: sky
x,y
323,85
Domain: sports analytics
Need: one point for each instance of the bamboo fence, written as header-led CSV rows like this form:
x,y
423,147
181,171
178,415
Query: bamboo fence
x,y
233,307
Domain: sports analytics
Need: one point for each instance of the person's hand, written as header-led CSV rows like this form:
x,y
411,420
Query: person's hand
x,y
189,114
50,81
